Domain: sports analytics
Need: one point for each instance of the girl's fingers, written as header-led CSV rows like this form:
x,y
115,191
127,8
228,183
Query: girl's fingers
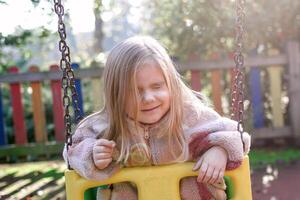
x,y
101,156
198,164
208,175
202,172
107,143
102,149
215,176
101,164
221,175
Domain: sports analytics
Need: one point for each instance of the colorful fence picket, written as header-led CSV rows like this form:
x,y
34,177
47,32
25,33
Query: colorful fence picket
x,y
57,106
38,110
2,131
256,98
75,66
275,70
18,113
275,74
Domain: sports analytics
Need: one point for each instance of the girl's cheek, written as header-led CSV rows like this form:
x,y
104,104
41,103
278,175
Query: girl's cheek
x,y
130,107
163,95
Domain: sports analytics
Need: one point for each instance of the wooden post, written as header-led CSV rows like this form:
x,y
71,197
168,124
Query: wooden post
x,y
216,86
216,90
196,80
97,94
58,113
293,55
275,72
18,111
195,74
77,82
3,140
256,98
39,119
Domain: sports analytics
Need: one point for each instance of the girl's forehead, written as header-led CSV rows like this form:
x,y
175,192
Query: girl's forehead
x,y
150,64
149,70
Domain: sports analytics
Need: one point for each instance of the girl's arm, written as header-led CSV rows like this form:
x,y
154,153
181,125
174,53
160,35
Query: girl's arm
x,y
209,129
80,154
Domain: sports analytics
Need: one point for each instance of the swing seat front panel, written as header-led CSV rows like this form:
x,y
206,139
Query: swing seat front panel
x,y
159,182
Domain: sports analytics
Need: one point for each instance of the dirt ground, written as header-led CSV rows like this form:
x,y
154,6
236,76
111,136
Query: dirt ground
x,y
281,182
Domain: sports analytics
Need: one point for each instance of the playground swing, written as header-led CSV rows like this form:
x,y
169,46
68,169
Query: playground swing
x,y
163,180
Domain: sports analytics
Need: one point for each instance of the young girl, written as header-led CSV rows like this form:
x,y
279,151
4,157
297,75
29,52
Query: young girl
x,y
151,117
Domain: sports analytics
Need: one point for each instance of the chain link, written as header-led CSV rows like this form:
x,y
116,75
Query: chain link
x,y
68,77
237,97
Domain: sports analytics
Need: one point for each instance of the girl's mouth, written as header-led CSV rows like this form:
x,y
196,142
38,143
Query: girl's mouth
x,y
150,109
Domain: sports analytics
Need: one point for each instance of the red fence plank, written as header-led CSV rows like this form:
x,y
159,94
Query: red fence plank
x,y
18,111
216,90
57,106
196,80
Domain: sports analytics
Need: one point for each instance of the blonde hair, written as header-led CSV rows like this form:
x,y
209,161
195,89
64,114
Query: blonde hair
x,y
120,82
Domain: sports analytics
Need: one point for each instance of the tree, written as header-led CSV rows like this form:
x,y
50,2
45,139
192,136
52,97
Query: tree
x,y
15,48
98,34
201,26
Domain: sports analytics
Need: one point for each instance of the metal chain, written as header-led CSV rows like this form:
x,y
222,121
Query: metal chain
x,y
68,77
238,88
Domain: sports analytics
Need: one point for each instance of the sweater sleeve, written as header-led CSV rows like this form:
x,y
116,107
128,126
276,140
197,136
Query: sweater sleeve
x,y
209,129
80,153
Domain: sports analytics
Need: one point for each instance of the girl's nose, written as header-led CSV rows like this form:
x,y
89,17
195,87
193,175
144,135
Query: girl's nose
x,y
148,97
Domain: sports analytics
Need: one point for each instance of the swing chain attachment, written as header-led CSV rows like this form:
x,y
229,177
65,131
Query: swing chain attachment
x,y
68,78
237,103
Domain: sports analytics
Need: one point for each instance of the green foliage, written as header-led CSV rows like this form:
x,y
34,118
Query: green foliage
x,y
199,27
15,48
192,27
15,40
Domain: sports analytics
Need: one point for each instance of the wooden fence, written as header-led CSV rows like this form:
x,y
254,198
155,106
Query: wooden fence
x,y
281,72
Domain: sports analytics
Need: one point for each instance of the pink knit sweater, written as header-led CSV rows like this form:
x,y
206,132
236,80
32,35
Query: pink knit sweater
x,y
202,128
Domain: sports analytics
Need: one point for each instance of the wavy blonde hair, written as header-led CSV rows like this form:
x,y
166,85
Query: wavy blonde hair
x,y
120,82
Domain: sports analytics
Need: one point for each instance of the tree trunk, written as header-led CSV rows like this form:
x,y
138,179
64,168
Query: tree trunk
x,y
98,34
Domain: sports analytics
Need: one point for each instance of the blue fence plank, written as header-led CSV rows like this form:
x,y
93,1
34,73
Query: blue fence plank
x,y
78,89
3,140
258,114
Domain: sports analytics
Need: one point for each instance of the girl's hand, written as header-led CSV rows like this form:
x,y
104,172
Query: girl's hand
x,y
102,153
212,165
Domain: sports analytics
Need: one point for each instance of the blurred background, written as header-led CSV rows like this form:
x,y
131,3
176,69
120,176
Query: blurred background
x,y
200,37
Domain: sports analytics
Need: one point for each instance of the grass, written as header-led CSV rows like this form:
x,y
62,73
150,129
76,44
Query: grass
x,y
262,157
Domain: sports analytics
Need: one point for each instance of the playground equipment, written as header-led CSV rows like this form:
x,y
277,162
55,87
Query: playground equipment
x,y
157,182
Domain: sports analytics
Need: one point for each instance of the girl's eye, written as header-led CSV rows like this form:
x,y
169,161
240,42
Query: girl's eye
x,y
141,92
157,86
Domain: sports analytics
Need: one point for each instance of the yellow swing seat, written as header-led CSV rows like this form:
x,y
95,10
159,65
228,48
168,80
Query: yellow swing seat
x,y
159,182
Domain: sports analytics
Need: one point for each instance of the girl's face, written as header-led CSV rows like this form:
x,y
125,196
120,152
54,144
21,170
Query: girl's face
x,y
154,96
